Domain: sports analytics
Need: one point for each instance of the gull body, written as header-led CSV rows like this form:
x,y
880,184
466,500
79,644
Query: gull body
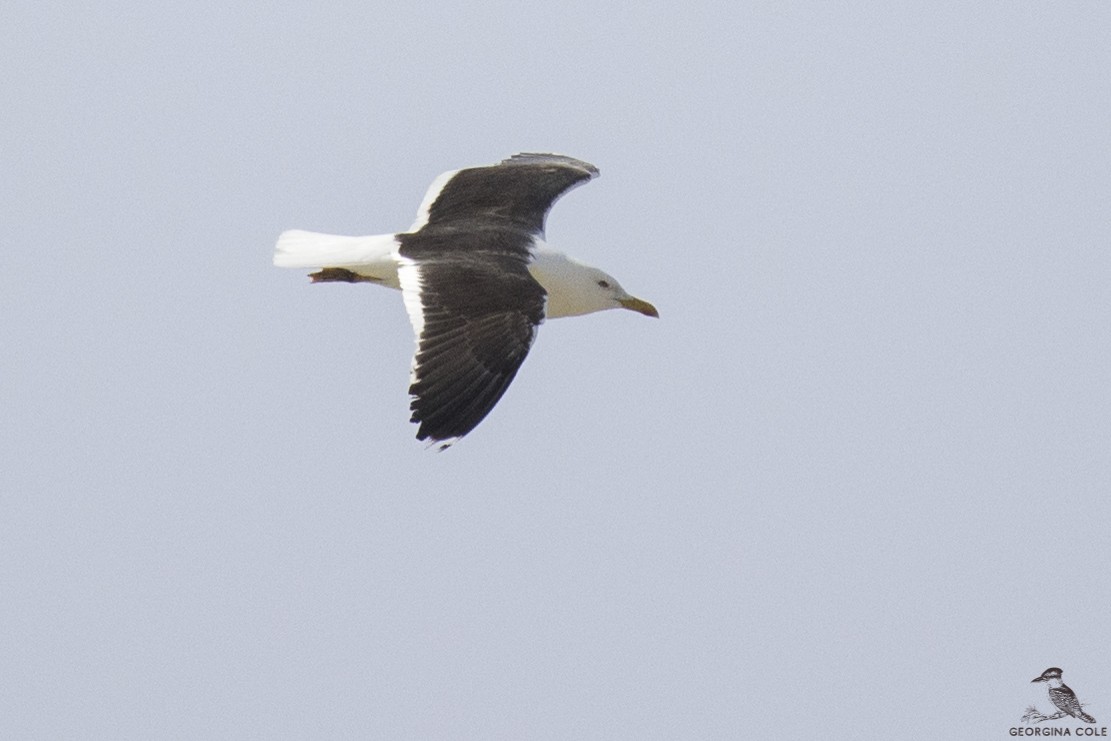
x,y
477,279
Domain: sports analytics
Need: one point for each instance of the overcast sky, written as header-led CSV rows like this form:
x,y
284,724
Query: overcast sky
x,y
852,484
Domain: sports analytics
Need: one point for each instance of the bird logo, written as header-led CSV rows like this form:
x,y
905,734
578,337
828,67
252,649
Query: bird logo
x,y
1062,697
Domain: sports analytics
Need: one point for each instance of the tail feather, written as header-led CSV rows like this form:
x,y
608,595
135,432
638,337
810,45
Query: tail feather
x,y
301,249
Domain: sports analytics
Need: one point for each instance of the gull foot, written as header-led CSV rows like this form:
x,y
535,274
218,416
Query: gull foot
x,y
342,275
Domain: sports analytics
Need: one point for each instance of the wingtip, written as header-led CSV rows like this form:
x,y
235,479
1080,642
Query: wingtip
x,y
532,158
437,444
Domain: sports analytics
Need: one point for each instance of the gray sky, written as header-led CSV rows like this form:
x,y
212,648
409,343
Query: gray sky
x,y
852,484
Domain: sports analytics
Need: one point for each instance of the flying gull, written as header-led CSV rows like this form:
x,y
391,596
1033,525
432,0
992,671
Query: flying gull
x,y
477,279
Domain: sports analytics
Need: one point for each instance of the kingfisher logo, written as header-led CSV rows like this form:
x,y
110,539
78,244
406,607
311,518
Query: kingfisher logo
x,y
1063,706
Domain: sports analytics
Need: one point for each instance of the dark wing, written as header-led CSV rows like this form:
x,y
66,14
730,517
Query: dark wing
x,y
518,191
1065,699
477,321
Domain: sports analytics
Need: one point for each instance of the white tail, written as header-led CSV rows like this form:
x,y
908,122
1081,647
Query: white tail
x,y
301,249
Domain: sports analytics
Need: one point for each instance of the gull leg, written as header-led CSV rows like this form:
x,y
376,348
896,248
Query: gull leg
x,y
342,275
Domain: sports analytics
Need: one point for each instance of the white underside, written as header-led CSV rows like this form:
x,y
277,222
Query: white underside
x,y
571,285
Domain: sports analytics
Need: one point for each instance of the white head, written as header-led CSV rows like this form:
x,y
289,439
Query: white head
x,y
575,289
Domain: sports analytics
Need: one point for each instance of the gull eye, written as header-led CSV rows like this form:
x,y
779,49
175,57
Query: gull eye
x,y
604,283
